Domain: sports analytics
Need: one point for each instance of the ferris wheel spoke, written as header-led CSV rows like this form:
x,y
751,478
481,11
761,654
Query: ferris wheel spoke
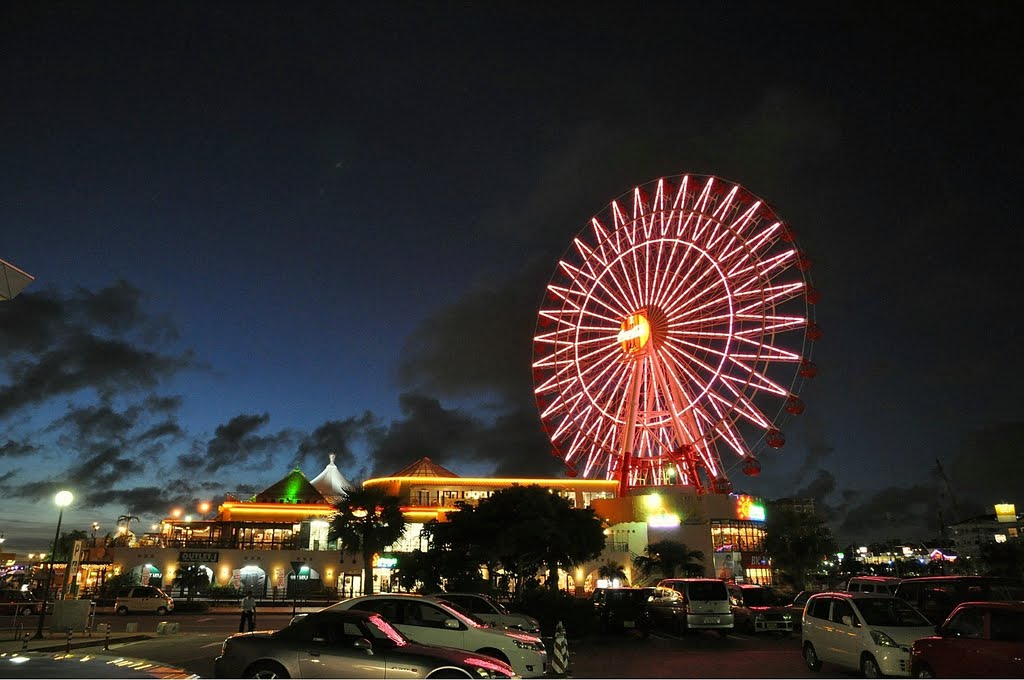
x,y
674,263
770,295
765,351
772,324
758,380
753,247
674,293
762,267
741,405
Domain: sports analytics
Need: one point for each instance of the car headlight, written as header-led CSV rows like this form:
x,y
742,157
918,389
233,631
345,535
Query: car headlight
x,y
535,645
787,617
882,640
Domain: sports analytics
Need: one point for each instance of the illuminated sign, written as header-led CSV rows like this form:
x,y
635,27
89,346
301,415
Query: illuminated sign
x,y
197,556
1006,512
746,508
384,562
635,333
663,520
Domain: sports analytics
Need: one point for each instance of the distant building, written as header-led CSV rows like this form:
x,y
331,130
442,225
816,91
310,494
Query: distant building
x,y
1005,526
801,505
277,540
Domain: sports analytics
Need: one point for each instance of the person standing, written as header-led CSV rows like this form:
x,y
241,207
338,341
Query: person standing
x,y
248,612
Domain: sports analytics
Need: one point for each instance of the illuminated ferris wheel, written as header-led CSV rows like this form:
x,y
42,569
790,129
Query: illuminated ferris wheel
x,y
675,333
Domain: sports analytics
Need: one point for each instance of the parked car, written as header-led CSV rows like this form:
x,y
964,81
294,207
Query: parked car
x,y
487,609
759,609
622,609
18,602
706,603
666,609
796,607
937,596
866,632
337,643
883,585
143,599
429,621
979,639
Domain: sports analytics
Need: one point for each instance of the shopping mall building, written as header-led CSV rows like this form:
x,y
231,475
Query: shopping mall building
x,y
276,542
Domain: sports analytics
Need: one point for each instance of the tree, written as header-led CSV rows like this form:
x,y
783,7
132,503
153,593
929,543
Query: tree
x,y
612,571
796,542
367,521
66,544
523,529
192,578
1003,559
667,557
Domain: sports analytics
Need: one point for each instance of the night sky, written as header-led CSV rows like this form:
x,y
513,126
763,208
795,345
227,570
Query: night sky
x,y
263,234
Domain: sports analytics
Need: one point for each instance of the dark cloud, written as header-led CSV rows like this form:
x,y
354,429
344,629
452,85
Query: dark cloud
x,y
819,488
335,436
236,443
977,472
893,512
9,475
104,341
12,449
426,428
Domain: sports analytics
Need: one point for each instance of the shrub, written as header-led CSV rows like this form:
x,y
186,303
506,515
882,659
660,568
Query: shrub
x,y
225,592
551,606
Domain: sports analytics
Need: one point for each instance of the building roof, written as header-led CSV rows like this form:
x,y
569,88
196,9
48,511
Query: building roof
x,y
424,467
331,483
292,488
12,280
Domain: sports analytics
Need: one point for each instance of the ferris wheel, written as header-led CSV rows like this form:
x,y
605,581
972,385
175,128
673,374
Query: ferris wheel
x,y
675,332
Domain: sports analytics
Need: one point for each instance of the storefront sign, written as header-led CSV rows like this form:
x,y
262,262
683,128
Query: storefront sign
x,y
198,556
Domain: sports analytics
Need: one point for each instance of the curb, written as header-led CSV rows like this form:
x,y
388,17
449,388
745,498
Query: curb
x,y
80,643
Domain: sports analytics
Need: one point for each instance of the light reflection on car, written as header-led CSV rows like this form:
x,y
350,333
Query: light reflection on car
x,y
336,643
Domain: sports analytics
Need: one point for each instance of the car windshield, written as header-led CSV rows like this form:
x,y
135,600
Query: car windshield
x,y
1008,591
502,609
466,613
885,611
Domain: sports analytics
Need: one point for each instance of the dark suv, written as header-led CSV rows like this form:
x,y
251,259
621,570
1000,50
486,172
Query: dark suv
x,y
937,596
621,609
18,602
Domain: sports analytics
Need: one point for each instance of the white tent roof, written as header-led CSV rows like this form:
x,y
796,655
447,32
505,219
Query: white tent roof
x,y
12,280
331,482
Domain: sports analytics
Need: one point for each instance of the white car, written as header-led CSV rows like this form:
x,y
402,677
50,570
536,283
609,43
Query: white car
x,y
866,632
431,622
489,610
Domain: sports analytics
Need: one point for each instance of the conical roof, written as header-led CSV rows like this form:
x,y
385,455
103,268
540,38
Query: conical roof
x,y
293,488
424,467
331,483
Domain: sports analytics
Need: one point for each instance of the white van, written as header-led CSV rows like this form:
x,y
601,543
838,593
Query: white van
x,y
878,585
143,599
866,632
706,602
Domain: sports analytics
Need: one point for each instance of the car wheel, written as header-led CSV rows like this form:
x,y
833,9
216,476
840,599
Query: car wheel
x,y
724,632
265,669
122,610
924,671
811,657
449,673
749,627
497,654
869,667
161,611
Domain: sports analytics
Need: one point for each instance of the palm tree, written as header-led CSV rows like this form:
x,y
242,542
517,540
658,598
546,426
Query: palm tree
x,y
124,528
613,570
667,557
367,521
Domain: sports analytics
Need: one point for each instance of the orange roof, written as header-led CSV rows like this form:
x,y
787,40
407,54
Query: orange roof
x,y
424,467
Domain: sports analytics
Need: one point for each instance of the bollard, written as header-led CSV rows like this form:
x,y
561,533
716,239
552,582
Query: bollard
x,y
106,640
67,645
88,631
560,662
24,643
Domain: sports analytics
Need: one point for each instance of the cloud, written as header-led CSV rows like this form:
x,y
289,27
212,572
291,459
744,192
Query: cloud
x,y
893,512
13,449
236,443
335,436
104,341
976,473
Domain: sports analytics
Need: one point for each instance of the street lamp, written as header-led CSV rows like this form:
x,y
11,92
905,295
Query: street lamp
x,y
62,499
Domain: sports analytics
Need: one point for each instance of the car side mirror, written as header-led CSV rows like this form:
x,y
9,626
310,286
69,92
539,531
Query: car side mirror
x,y
451,623
363,643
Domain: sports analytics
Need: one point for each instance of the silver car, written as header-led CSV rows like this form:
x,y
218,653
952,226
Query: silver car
x,y
338,643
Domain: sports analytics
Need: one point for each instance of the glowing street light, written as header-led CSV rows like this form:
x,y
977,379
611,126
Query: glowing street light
x,y
62,499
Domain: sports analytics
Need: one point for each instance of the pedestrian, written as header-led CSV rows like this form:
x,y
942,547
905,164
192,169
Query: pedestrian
x,y
248,612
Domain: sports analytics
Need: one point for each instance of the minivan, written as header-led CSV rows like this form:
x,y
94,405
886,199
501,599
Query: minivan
x,y
861,631
937,596
143,599
880,585
706,602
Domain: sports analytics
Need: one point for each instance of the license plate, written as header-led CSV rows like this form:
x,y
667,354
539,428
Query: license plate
x,y
712,619
628,624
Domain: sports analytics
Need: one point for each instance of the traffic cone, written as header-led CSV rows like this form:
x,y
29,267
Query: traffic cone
x,y
560,662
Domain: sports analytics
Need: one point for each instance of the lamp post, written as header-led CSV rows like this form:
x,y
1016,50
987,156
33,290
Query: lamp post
x,y
62,499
